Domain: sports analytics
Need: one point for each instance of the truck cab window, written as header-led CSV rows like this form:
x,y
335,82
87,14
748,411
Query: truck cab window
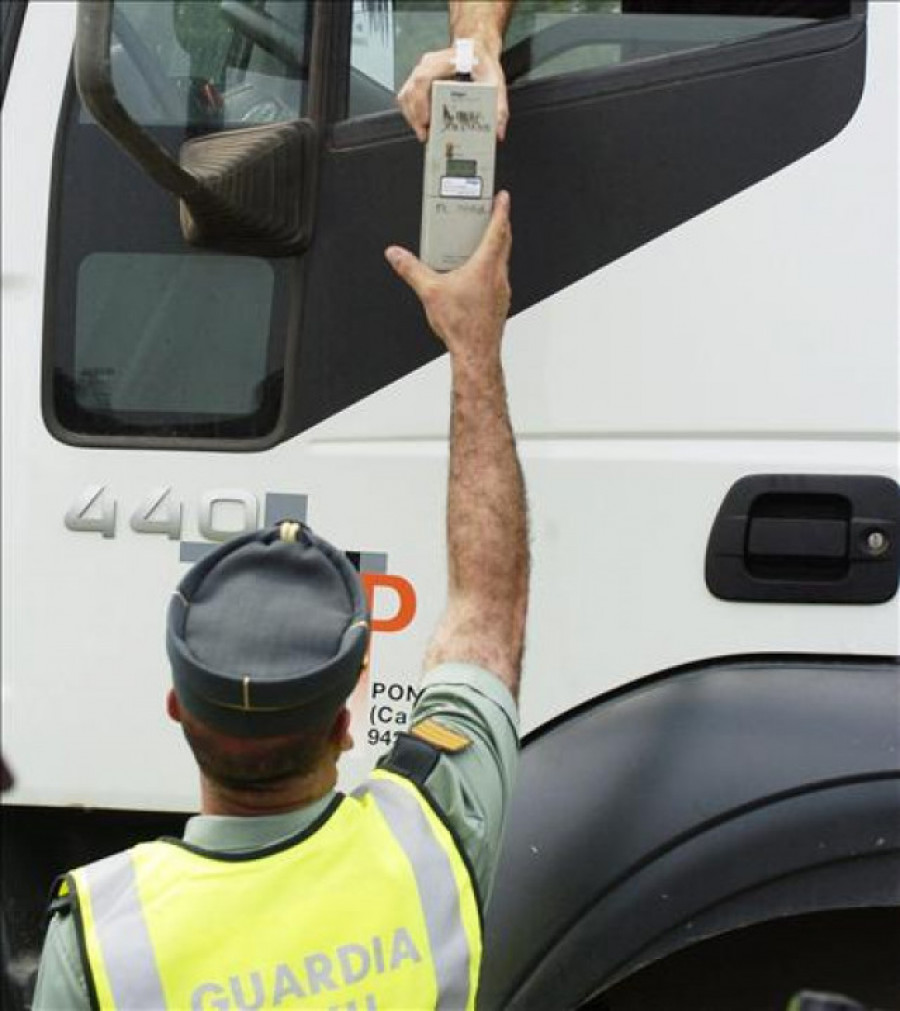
x,y
550,38
157,333
210,65
148,337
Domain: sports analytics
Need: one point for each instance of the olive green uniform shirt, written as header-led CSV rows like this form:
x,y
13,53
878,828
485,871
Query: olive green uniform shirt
x,y
472,788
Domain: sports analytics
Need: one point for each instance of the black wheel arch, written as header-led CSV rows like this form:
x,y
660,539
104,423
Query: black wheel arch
x,y
702,799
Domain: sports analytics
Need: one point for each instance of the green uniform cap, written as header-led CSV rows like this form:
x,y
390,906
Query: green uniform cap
x,y
268,633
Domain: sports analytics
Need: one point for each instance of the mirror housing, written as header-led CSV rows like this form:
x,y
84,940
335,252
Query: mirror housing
x,y
255,189
248,190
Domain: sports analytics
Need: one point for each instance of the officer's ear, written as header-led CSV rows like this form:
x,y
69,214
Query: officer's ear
x,y
172,706
341,730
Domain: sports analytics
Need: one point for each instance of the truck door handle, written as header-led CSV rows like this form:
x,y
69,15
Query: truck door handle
x,y
801,538
794,537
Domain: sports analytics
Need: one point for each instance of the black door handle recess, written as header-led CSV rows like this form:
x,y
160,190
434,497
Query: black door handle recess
x,y
804,538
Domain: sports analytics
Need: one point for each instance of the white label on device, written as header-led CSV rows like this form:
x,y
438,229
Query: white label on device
x,y
454,186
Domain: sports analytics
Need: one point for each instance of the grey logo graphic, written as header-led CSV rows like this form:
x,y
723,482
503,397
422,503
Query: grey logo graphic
x,y
464,120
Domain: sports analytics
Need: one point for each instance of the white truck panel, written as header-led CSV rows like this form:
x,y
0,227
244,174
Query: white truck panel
x,y
759,337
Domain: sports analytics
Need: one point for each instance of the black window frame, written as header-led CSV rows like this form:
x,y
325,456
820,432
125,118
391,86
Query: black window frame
x,y
268,423
12,13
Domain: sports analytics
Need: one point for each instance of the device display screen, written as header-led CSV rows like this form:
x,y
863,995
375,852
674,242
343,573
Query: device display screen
x,y
462,168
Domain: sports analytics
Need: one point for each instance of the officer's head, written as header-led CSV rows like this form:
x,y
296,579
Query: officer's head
x,y
267,637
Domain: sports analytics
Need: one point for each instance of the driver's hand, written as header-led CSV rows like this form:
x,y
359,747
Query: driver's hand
x,y
414,98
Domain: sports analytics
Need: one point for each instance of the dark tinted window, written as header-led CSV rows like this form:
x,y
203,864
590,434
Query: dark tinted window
x,y
148,336
555,37
169,333
818,9
208,64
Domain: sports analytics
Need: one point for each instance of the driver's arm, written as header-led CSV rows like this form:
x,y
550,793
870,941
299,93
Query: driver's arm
x,y
484,21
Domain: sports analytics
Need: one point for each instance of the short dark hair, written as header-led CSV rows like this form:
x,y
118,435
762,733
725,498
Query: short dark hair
x,y
255,764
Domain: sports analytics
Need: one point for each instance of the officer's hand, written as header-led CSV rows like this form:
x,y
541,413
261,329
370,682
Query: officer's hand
x,y
466,307
414,98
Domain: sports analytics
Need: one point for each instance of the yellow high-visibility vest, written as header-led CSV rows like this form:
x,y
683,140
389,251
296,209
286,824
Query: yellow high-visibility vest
x,y
373,908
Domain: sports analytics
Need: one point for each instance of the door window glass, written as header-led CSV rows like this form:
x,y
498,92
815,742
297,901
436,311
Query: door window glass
x,y
210,64
550,38
171,334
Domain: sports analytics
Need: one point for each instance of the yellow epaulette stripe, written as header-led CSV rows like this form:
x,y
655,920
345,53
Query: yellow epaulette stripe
x,y
441,736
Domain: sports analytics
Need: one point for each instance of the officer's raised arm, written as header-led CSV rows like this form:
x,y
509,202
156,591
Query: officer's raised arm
x,y
483,21
487,525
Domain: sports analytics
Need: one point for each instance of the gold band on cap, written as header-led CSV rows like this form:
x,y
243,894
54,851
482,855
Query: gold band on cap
x,y
290,531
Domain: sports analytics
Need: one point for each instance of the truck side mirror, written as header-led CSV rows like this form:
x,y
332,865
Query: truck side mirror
x,y
246,190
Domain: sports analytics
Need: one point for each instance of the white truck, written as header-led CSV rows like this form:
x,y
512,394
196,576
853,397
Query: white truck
x,y
200,336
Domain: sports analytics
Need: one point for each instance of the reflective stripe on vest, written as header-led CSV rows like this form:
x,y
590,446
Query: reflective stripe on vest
x,y
150,920
122,936
438,891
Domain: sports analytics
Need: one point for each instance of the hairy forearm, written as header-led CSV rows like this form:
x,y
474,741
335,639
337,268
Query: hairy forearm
x,y
482,19
487,528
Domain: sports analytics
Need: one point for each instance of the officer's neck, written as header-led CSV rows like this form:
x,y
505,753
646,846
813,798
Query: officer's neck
x,y
281,798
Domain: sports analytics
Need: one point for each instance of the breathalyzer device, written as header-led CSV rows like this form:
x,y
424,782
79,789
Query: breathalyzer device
x,y
458,187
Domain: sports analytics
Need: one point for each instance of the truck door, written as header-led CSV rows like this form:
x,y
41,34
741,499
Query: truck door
x,y
642,148
634,138
606,153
